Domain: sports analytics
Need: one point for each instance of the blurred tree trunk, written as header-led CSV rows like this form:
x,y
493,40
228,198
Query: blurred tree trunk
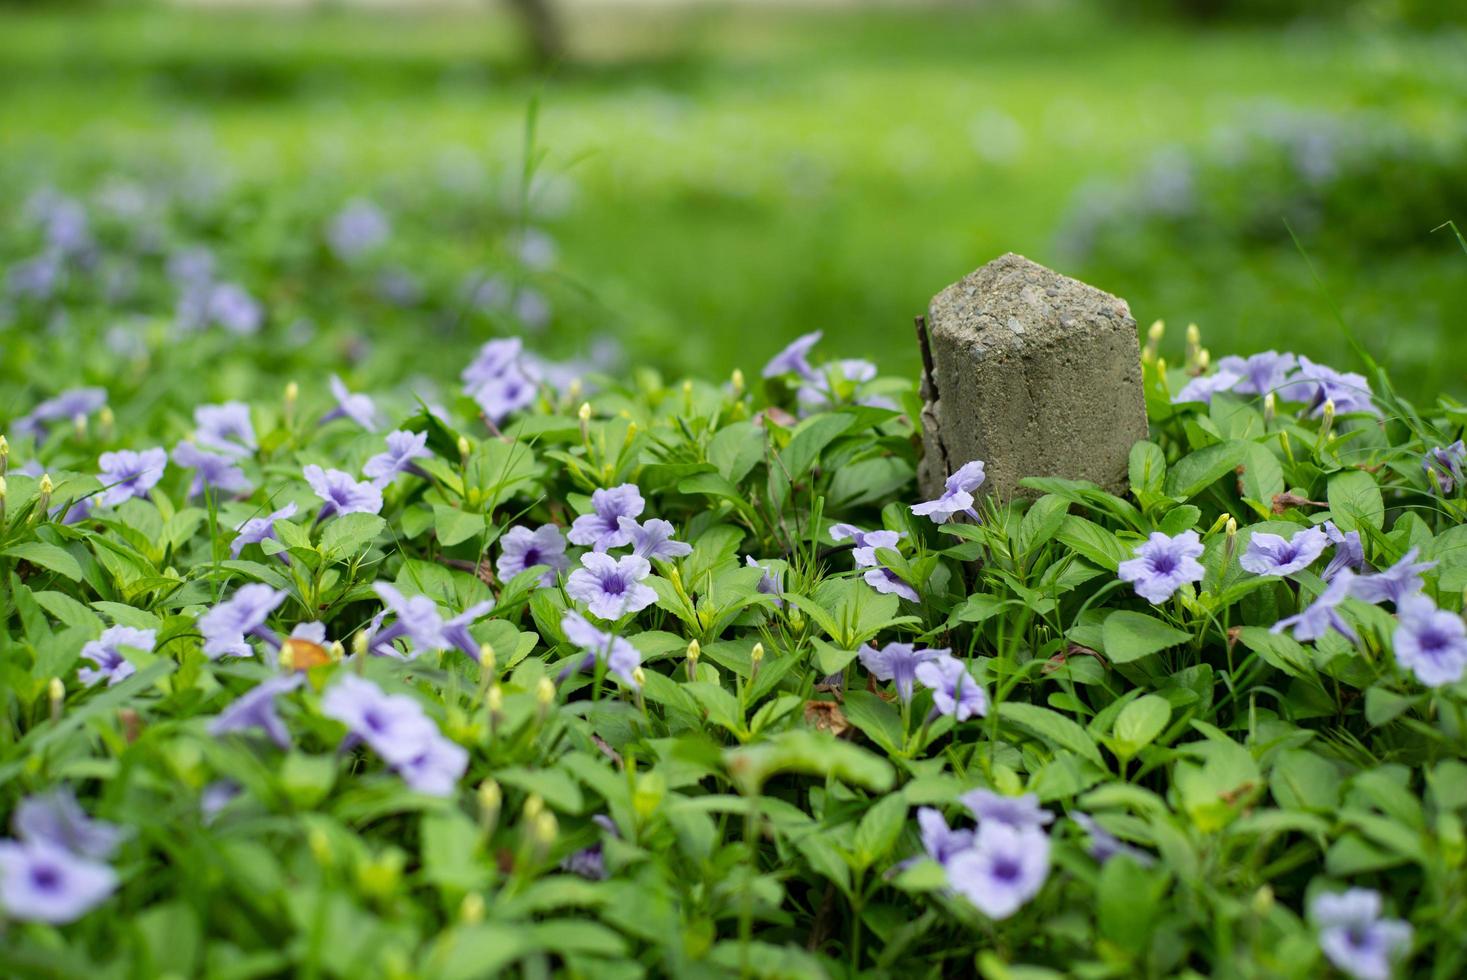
x,y
542,28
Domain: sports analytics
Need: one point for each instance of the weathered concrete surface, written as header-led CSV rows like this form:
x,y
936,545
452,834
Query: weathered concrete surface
x,y
1034,373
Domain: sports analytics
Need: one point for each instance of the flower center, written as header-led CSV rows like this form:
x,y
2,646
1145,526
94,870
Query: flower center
x,y
614,585
46,877
532,557
1006,870
1164,564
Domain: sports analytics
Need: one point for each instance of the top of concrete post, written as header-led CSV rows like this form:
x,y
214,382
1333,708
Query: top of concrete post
x,y
1035,373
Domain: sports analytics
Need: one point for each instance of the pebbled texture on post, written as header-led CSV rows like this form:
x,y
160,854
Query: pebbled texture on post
x,y
1032,372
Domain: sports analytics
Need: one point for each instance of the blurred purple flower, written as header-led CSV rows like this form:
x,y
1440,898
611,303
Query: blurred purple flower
x,y
1273,554
1430,642
456,629
57,819
898,662
402,449
497,379
611,587
105,652
1004,868
1353,935
62,408
126,474
1203,387
396,728
888,582
36,278
619,655
225,428
957,495
954,691
793,359
653,539
1396,583
341,493
1260,373
771,582
1446,464
818,391
258,529
40,882
211,470
355,406
256,709
1019,812
1163,564
357,229
940,842
520,548
1104,845
234,309
1323,614
436,767
601,529
227,625
417,618
1314,384
1349,551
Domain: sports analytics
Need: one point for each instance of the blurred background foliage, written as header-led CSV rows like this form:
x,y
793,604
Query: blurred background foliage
x,y
711,179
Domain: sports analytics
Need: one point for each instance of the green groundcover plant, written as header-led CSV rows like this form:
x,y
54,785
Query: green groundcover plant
x,y
569,674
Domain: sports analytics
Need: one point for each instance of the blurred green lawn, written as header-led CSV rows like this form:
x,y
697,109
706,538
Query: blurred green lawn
x,y
746,176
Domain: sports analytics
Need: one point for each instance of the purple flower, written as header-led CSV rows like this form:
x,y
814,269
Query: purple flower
x,y
1323,614
55,818
215,797
402,449
888,582
818,391
1273,554
939,841
456,630
1353,935
957,495
1349,552
1259,374
234,309
792,360
601,529
127,474
211,470
1203,387
191,267
417,619
588,862
40,882
36,277
1018,812
357,229
898,662
771,582
520,548
62,408
1003,869
954,691
226,428
618,654
105,652
436,767
1430,642
1446,464
256,709
866,544
653,538
226,626
357,407
1315,384
341,493
1162,565
1104,845
396,728
258,529
1396,583
499,379
611,587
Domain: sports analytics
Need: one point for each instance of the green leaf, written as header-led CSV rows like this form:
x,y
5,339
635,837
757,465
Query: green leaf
x,y
1041,522
736,449
1052,727
48,556
1196,472
1092,542
1139,723
1147,468
810,437
812,753
1303,781
879,829
348,534
877,718
455,526
1355,501
1131,635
